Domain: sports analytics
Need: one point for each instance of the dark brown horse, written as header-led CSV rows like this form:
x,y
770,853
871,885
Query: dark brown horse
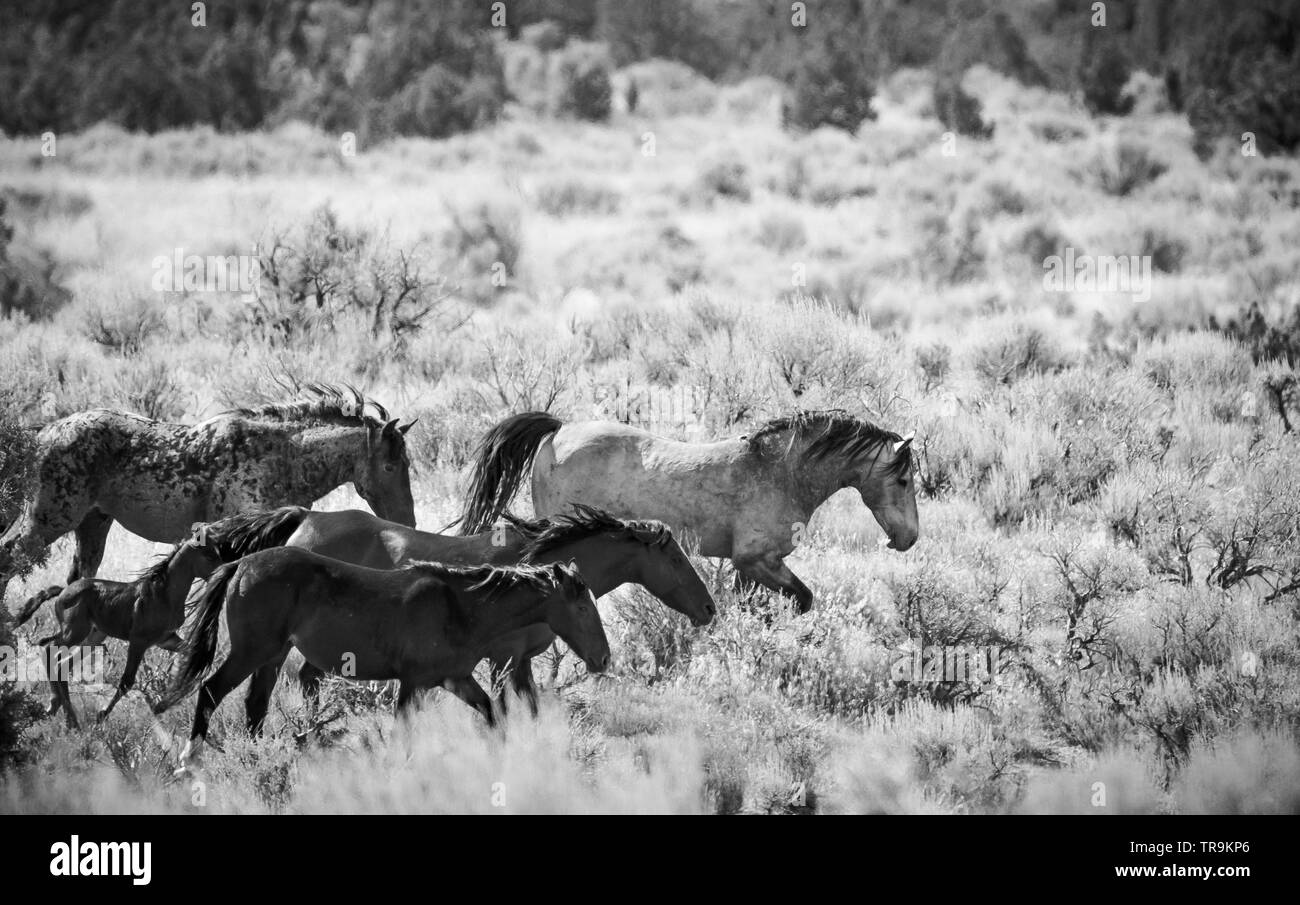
x,y
425,625
144,613
608,551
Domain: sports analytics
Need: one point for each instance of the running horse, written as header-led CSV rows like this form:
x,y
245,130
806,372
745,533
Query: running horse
x,y
145,612
426,625
745,499
158,479
608,552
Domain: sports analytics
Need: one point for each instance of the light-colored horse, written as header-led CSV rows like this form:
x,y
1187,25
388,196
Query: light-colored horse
x,y
746,499
158,479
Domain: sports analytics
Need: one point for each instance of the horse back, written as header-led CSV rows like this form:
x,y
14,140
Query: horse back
x,y
697,489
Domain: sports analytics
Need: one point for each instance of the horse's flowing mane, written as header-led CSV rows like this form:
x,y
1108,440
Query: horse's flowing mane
x,y
544,535
834,432
322,402
153,578
497,580
239,535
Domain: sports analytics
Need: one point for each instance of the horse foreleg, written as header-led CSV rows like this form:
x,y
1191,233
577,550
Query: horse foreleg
x,y
472,694
771,572
235,670
524,685
134,654
92,538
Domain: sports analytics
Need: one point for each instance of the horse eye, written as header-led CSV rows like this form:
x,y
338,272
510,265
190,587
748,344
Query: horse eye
x,y
390,468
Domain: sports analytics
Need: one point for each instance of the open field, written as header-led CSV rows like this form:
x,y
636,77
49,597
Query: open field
x,y
1109,493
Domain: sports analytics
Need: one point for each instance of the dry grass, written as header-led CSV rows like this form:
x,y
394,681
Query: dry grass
x,y
1090,470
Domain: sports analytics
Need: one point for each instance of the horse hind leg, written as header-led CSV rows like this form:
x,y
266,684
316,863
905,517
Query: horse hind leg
x,y
238,667
134,654
258,700
76,629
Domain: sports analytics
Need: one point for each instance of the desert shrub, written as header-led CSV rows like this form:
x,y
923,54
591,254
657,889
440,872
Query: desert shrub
x,y
125,325
1166,250
935,362
19,709
580,82
1237,73
546,36
1054,127
149,389
684,30
1023,349
326,274
568,196
1125,165
831,87
781,232
1146,94
958,110
828,358
438,102
724,178
666,88
520,371
17,455
1104,74
1266,339
28,280
483,245
656,257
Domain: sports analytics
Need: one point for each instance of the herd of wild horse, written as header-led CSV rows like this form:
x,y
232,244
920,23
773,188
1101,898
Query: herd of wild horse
x,y
372,598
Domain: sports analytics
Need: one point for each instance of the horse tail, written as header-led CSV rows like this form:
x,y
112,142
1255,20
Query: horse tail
x,y
504,456
241,535
31,606
202,645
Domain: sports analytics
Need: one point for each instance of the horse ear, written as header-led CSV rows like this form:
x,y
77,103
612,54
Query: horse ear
x,y
403,428
389,429
905,442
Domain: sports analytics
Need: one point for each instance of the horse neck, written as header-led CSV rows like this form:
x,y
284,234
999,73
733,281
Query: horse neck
x,y
809,482
511,610
325,456
472,549
180,576
604,561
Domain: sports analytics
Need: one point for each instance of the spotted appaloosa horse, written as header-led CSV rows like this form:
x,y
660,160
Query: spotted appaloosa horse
x,y
741,498
158,479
